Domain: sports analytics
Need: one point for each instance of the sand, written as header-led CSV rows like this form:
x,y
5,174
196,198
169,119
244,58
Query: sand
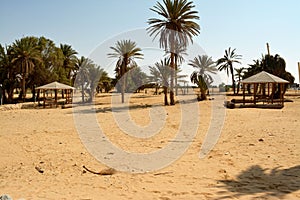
x,y
257,155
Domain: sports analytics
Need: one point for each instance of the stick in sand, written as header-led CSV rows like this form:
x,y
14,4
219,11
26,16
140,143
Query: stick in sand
x,y
104,172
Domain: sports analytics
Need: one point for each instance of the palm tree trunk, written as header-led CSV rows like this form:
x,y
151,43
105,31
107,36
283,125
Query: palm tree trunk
x,y
123,70
156,90
232,77
172,100
238,86
176,87
33,93
203,94
23,88
82,93
166,95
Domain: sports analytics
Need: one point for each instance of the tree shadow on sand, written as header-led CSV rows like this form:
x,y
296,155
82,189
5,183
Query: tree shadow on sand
x,y
122,107
255,180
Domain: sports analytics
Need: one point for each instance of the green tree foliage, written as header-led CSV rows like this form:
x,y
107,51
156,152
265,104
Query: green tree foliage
x,y
126,51
32,61
87,78
105,83
136,78
176,26
272,64
25,55
204,66
69,61
161,74
8,74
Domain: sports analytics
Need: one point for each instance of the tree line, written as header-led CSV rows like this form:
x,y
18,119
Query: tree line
x,y
32,61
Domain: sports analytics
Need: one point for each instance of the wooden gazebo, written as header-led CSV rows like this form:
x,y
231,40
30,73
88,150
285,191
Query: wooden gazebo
x,y
264,86
66,93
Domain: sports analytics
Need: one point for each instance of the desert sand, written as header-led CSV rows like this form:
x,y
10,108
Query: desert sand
x,y
257,155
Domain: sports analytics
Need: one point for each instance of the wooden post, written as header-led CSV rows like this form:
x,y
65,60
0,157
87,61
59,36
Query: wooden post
x,y
255,93
268,93
243,94
281,94
38,97
55,101
272,95
44,98
67,96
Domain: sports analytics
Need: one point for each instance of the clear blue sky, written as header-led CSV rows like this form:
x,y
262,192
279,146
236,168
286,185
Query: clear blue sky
x,y
241,24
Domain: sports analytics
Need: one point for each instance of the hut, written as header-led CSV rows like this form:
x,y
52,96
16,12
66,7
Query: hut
x,y
264,86
66,93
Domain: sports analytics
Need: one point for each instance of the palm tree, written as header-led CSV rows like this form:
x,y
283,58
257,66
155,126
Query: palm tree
x,y
136,80
226,63
126,51
25,55
95,73
104,83
155,77
239,75
161,75
8,74
175,27
180,51
69,59
82,74
201,76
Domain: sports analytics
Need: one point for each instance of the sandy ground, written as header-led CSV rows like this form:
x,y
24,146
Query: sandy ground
x,y
256,157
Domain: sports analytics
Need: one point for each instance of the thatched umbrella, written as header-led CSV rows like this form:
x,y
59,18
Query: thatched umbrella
x,y
265,79
56,86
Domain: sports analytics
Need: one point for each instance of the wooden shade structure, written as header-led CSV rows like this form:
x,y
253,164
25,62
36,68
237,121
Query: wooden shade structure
x,y
265,81
56,86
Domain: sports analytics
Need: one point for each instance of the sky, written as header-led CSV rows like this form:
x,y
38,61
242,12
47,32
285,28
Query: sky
x,y
90,25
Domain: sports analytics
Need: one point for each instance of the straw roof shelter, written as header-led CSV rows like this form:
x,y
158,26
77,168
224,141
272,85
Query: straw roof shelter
x,y
56,86
265,81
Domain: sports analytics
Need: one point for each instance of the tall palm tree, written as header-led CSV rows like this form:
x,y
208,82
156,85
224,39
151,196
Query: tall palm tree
x,y
69,59
126,51
26,54
239,75
180,51
82,74
226,63
8,74
161,73
176,26
95,73
204,66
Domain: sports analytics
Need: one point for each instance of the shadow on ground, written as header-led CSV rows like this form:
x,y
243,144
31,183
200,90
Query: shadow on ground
x,y
122,107
256,180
